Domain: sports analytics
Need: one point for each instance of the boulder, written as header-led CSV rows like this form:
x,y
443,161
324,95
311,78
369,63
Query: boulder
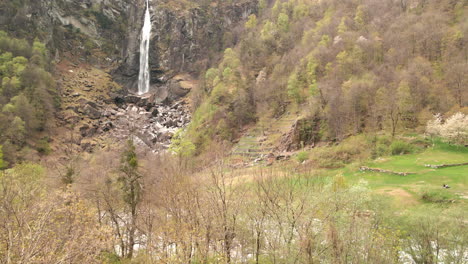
x,y
118,99
84,130
107,126
132,99
92,112
146,100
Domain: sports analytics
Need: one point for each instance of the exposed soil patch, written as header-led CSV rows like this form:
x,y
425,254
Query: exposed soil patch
x,y
401,196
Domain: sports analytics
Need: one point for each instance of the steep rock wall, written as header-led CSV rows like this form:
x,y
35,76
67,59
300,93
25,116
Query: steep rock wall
x,y
181,40
184,38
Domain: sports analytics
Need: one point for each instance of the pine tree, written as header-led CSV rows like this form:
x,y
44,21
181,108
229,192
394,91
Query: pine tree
x,y
131,186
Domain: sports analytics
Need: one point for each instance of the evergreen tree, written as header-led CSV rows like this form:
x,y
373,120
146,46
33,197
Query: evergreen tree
x,y
131,185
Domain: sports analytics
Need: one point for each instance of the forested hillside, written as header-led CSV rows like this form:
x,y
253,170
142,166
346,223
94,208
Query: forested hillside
x,y
349,66
28,97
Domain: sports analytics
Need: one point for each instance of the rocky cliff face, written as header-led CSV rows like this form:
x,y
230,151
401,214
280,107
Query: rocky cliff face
x,y
181,40
184,36
70,25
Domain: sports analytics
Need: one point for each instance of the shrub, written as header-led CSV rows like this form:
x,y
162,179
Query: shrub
x,y
437,196
380,150
399,147
381,146
302,156
43,146
181,145
350,150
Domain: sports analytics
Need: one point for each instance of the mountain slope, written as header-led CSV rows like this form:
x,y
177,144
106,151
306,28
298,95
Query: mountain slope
x,y
347,66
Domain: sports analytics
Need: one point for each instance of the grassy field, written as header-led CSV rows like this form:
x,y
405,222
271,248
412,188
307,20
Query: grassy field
x,y
413,191
408,190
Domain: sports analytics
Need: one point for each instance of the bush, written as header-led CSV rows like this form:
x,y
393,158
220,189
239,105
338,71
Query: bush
x,y
302,156
380,150
43,146
437,196
400,147
352,149
381,146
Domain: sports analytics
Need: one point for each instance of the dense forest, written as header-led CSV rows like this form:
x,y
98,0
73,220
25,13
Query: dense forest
x,y
28,97
331,131
350,66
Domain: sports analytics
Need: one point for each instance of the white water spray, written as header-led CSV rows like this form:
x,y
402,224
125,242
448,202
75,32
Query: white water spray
x,y
144,74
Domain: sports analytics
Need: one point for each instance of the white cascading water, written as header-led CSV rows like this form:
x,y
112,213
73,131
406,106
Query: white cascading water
x,y
144,74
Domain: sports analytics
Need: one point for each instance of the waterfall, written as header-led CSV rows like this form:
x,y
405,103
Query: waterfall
x,y
144,74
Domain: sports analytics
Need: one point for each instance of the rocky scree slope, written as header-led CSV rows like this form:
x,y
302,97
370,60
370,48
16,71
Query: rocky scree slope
x,y
91,118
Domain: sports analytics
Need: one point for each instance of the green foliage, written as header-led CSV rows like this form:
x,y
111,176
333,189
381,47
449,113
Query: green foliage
x,y
43,146
342,27
130,177
68,178
262,4
331,57
223,130
381,146
302,156
230,59
180,145
294,88
110,258
302,83
225,97
399,147
129,160
324,41
227,74
2,162
268,31
28,96
300,11
39,52
339,183
18,47
283,22
251,22
405,100
431,230
360,17
28,176
437,196
103,20
276,8
16,131
219,94
353,149
311,76
211,75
